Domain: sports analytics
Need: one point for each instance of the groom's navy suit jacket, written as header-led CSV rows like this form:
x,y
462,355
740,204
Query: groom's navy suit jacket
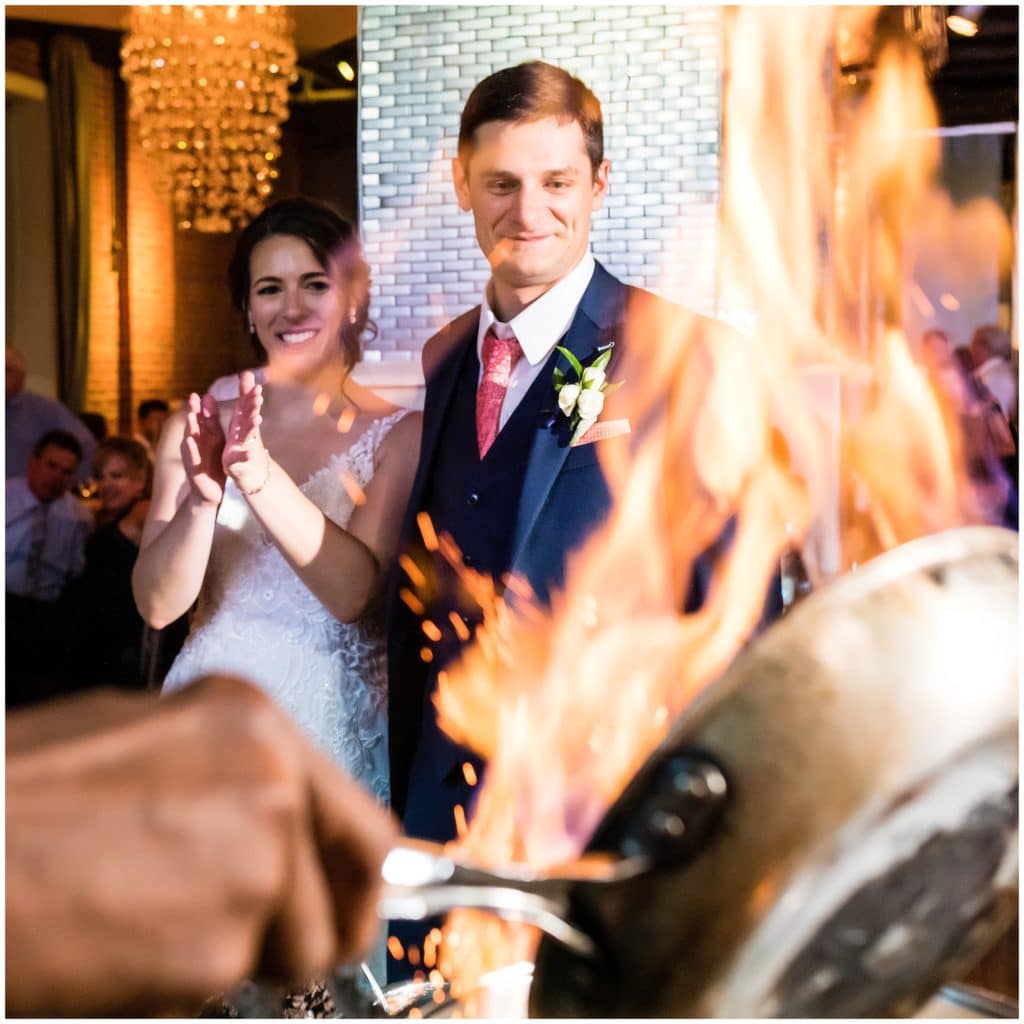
x,y
535,499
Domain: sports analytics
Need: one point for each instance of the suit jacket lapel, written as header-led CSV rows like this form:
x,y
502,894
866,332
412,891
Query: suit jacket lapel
x,y
441,380
597,320
440,387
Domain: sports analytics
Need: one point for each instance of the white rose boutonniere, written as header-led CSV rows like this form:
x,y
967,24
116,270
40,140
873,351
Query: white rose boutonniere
x,y
582,400
568,397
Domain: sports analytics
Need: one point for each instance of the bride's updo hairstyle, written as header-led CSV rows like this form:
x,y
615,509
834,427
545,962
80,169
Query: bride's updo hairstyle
x,y
334,244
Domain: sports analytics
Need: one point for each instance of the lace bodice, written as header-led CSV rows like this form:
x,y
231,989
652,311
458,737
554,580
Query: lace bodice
x,y
257,619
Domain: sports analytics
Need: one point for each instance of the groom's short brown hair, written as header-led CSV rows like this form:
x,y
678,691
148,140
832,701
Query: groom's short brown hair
x,y
528,92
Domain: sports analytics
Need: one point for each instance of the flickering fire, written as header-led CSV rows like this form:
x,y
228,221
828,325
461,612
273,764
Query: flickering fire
x,y
729,427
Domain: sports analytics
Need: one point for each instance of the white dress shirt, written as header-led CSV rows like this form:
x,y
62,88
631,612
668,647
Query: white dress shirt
x,y
997,375
63,555
538,328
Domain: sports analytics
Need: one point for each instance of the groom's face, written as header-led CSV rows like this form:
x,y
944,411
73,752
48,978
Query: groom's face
x,y
532,190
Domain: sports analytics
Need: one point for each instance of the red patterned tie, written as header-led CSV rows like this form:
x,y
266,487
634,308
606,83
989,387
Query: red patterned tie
x,y
500,355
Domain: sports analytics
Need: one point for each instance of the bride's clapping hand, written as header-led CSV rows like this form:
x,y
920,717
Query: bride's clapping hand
x,y
201,448
245,459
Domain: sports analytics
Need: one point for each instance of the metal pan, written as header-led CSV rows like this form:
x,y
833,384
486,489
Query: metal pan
x,y
867,849
830,830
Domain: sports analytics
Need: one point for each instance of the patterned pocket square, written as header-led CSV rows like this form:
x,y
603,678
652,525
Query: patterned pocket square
x,y
601,431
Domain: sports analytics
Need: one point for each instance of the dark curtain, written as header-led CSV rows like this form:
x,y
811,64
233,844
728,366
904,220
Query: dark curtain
x,y
70,97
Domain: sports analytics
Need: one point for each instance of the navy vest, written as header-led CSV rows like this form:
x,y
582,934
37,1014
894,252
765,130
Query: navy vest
x,y
476,502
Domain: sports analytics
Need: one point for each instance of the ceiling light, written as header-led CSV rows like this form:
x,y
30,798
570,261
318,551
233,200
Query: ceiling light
x,y
346,70
964,20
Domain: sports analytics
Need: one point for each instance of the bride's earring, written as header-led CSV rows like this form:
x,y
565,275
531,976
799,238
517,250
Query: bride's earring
x,y
353,316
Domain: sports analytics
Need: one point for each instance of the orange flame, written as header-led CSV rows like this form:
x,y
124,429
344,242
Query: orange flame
x,y
813,426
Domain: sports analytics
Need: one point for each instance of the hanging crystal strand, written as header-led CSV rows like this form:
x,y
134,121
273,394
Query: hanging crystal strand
x,y
208,89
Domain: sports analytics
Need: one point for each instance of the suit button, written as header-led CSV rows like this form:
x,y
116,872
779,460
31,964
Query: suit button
x,y
473,499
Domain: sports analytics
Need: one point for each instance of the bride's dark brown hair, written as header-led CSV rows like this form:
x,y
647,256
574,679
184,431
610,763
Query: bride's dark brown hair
x,y
332,240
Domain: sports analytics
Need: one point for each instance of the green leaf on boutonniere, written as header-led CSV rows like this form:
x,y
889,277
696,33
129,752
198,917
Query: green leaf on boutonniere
x,y
602,360
559,378
573,361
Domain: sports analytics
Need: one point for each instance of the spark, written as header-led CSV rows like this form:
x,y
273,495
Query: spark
x,y
460,627
412,570
356,494
427,531
345,420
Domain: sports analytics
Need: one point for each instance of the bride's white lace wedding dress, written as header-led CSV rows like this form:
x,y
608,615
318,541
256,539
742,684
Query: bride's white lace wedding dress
x,y
256,619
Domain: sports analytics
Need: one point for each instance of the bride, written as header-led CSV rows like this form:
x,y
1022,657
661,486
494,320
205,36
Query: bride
x,y
278,505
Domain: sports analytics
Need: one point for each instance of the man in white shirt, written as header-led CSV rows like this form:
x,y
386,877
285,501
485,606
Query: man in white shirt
x,y
508,465
27,416
991,354
46,528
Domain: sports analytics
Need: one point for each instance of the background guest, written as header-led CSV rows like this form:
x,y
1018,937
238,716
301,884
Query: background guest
x,y
46,529
28,416
992,355
963,357
103,629
995,381
97,424
150,419
989,447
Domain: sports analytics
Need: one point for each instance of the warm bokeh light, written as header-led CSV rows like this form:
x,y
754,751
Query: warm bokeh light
x,y
962,26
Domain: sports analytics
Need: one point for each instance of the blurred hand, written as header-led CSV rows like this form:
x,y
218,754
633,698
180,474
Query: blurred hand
x,y
159,850
245,459
202,447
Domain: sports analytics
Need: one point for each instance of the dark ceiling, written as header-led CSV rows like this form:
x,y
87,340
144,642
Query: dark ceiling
x,y
979,82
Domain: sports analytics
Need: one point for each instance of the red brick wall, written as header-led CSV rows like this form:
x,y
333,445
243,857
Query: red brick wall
x,y
101,376
183,332
24,57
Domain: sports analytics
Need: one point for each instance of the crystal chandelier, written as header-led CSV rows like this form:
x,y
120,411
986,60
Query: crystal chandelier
x,y
208,88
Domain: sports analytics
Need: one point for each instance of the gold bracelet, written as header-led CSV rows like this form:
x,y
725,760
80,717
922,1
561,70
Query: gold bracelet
x,y
256,490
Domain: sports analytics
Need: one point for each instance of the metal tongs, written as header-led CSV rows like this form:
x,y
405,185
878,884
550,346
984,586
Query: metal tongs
x,y
659,820
423,879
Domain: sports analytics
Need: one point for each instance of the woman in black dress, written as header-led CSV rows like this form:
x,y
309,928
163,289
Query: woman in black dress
x,y
103,627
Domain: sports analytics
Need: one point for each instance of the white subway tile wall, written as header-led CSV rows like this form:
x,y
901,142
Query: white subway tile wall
x,y
656,71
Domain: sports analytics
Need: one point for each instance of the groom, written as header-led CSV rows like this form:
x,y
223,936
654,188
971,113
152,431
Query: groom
x,y
497,471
